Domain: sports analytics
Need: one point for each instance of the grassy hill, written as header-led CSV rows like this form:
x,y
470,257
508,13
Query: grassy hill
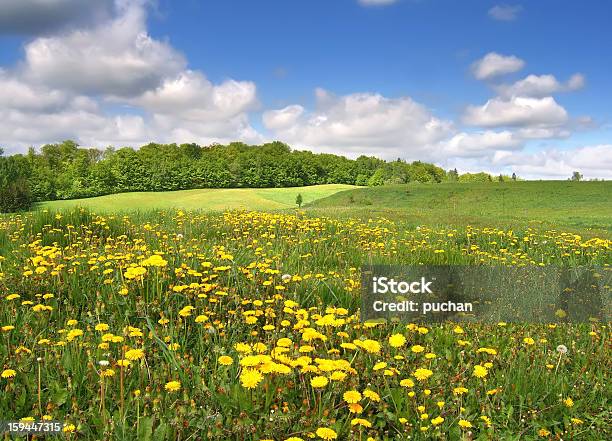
x,y
204,199
577,205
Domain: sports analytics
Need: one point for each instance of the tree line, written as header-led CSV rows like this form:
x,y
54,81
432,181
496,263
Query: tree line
x,y
67,171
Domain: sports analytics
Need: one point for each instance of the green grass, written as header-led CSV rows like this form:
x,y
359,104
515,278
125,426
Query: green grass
x,y
583,206
576,206
229,267
201,199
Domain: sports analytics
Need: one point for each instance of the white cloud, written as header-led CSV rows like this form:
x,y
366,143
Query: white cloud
x,y
41,16
494,64
505,12
191,96
592,161
376,2
540,85
518,112
16,94
360,123
480,144
116,57
63,86
282,118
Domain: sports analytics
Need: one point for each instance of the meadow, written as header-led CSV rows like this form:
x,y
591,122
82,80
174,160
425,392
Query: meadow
x,y
244,325
201,199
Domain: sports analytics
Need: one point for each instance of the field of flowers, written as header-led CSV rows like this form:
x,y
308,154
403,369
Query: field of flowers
x,y
245,326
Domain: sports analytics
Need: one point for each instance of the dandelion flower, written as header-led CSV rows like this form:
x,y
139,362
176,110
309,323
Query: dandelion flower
x,y
352,396
480,371
134,354
172,386
371,395
225,360
318,382
422,374
437,421
361,422
397,340
8,373
326,434
250,378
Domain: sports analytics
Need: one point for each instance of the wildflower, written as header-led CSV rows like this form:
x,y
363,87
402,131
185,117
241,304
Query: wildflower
x,y
465,424
355,408
568,402
69,428
380,365
397,340
134,354
480,371
8,373
172,386
437,421
319,382
486,420
326,434
543,432
562,349
422,374
225,360
361,422
528,341
407,382
371,346
250,378
371,395
352,396
417,349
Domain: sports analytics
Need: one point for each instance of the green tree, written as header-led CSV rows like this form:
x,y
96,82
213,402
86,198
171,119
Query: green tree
x,y
299,200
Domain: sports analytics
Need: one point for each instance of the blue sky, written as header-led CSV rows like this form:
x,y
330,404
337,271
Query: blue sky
x,y
477,85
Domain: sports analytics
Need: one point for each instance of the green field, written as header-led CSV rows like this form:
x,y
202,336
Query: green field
x,y
201,199
581,206
245,325
577,206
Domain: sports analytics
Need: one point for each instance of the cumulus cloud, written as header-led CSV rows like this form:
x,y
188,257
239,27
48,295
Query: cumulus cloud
x,y
494,64
540,85
116,57
34,17
592,161
480,144
518,112
360,123
66,81
505,12
192,96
